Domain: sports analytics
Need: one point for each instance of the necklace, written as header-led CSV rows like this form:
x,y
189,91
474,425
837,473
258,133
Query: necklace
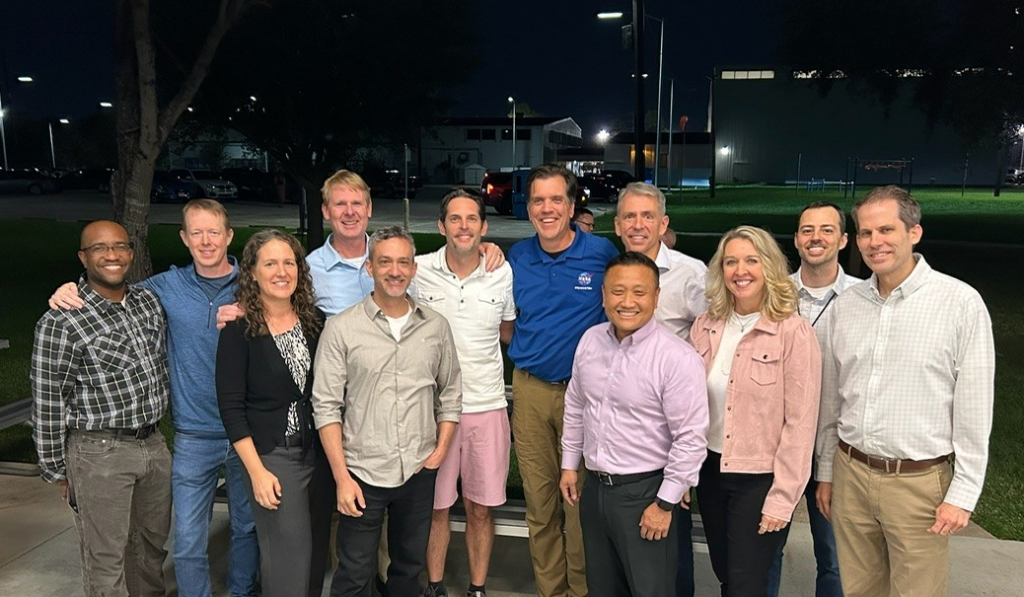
x,y
744,321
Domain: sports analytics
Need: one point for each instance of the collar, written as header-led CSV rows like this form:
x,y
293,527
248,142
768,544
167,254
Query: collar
x,y
662,260
373,311
842,281
917,278
191,269
94,300
576,250
645,331
439,262
333,258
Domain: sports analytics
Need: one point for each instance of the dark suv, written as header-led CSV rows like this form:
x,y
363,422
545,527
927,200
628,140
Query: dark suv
x,y
389,182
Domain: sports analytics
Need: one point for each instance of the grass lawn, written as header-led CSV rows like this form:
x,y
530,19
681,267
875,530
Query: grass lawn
x,y
49,251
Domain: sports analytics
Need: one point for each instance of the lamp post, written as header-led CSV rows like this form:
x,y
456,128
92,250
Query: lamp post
x,y
53,152
512,101
657,126
3,134
639,158
671,100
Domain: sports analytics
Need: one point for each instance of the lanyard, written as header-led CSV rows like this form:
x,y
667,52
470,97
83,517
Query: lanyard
x,y
822,312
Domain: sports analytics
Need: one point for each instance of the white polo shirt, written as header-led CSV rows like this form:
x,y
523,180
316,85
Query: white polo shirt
x,y
474,307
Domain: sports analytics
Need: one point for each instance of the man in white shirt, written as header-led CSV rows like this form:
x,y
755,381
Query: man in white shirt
x,y
820,235
907,385
640,222
481,310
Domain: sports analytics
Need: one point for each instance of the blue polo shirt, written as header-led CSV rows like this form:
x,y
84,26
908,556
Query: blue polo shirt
x,y
558,300
337,283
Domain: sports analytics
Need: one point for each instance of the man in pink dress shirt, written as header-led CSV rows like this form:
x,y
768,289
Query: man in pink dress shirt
x,y
636,410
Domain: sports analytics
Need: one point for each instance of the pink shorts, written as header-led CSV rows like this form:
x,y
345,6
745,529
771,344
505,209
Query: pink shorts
x,y
479,454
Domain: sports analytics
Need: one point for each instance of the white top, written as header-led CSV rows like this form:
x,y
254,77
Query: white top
x,y
911,376
475,307
718,376
682,290
396,324
815,304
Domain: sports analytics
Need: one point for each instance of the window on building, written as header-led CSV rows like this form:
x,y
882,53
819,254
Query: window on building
x,y
487,135
472,134
747,74
506,134
523,134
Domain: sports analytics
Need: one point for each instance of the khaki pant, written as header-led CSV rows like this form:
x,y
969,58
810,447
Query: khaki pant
x,y
881,523
556,542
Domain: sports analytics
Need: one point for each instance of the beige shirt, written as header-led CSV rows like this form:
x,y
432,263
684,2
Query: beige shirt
x,y
388,395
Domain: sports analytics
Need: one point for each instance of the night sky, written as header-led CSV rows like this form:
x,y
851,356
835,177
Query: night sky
x,y
554,55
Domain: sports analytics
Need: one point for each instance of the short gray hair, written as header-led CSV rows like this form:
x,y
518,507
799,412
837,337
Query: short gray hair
x,y
389,233
645,189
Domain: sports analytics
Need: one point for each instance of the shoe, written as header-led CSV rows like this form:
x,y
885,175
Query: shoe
x,y
434,592
475,594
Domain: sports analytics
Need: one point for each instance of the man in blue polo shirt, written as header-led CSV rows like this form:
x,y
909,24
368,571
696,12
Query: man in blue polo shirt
x,y
558,275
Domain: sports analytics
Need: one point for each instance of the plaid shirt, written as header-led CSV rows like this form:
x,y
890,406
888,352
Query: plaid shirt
x,y
103,366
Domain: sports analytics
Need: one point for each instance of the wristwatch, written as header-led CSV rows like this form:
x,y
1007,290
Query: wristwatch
x,y
666,506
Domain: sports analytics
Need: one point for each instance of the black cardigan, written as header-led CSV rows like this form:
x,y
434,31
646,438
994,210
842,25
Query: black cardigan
x,y
255,388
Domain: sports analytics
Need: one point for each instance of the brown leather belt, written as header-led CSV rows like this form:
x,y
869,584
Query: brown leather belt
x,y
889,465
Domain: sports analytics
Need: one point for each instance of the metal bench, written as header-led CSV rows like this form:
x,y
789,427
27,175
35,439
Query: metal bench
x,y
16,413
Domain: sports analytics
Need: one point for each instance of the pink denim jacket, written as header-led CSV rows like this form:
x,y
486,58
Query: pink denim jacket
x,y
771,404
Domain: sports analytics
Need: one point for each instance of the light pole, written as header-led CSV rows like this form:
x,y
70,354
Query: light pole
x,y
512,101
53,152
1021,131
671,100
3,134
657,126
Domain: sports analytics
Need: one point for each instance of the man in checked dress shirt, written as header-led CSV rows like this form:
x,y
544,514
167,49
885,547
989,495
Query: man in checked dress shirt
x,y
907,386
100,386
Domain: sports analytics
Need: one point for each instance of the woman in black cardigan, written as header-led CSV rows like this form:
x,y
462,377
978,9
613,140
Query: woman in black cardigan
x,y
264,383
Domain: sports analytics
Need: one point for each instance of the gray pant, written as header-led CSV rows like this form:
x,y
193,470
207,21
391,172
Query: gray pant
x,y
121,492
285,534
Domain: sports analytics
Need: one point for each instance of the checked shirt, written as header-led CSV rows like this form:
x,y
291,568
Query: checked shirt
x,y
103,366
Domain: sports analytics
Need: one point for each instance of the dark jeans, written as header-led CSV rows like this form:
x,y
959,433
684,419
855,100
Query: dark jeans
x,y
621,563
409,508
827,582
684,570
730,507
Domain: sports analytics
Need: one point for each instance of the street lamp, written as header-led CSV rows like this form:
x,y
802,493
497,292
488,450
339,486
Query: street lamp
x,y
602,136
25,79
106,105
512,101
53,152
638,118
1021,132
3,134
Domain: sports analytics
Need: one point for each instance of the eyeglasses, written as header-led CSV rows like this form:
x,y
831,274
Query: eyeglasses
x,y
587,225
100,249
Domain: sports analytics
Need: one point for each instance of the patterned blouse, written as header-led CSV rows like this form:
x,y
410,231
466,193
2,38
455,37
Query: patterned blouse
x,y
295,352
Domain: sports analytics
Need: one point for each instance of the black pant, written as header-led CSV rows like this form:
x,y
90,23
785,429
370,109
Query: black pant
x,y
730,506
409,508
619,561
684,572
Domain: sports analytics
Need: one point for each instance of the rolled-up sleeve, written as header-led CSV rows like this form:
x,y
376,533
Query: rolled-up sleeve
x,y
448,402
330,375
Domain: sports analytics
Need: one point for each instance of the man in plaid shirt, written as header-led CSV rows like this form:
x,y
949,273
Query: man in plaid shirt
x,y
100,386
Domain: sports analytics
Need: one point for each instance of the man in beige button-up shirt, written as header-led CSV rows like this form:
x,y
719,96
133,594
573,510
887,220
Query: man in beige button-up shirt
x,y
387,395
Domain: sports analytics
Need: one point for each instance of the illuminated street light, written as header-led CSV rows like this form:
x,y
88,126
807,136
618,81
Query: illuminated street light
x,y
25,79
512,101
106,105
609,15
252,97
603,135
53,152
64,121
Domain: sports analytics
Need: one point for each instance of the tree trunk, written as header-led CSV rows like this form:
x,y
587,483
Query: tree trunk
x,y
1002,158
314,214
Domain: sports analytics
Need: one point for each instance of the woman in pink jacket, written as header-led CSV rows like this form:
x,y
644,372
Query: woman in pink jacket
x,y
764,383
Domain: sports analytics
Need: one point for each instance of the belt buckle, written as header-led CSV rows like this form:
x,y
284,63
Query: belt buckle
x,y
605,479
884,461
143,432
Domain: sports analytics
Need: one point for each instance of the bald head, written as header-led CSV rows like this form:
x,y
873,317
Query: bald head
x,y
100,227
106,254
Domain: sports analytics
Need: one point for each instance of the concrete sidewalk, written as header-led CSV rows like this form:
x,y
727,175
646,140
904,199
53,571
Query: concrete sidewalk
x,y
39,555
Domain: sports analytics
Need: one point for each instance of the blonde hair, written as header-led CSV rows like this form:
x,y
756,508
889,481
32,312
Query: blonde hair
x,y
780,293
209,205
345,178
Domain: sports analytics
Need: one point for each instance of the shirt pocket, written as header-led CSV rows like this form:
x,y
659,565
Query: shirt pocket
x,y
489,307
765,366
433,299
113,352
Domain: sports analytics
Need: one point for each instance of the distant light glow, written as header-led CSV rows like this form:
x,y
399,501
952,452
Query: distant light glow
x,y
106,105
725,150
64,121
609,15
25,79
511,100
191,109
603,135
252,97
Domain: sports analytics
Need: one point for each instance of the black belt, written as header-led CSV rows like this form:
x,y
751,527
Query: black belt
x,y
561,382
141,433
291,441
612,480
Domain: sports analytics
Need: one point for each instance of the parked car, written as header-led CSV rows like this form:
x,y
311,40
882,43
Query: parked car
x,y
496,189
27,181
252,184
167,188
92,179
211,185
389,182
605,186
